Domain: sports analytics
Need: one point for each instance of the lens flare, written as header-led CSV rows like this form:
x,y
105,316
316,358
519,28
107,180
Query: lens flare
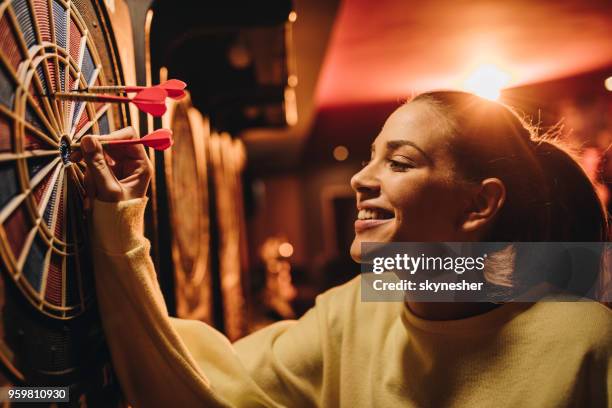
x,y
487,81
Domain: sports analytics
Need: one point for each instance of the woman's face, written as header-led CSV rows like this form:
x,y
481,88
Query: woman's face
x,y
406,191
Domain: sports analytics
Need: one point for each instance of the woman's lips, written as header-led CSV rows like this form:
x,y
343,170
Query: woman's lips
x,y
362,225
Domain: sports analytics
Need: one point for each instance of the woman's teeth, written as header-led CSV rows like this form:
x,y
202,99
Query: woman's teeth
x,y
371,214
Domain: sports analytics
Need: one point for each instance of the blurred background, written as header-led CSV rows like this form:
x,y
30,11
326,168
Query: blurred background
x,y
305,86
250,214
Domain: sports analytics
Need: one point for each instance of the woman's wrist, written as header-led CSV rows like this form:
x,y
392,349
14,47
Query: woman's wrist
x,y
118,227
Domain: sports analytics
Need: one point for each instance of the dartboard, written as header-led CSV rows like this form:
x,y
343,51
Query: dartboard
x,y
185,168
49,46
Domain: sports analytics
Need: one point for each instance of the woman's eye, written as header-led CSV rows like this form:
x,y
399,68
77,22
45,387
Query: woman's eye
x,y
399,166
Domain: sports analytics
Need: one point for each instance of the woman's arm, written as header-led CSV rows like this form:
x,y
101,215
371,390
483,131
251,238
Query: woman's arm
x,y
153,365
173,362
162,361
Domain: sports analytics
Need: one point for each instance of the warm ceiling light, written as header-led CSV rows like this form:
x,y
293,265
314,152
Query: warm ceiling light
x,y
608,83
285,250
292,16
340,153
487,82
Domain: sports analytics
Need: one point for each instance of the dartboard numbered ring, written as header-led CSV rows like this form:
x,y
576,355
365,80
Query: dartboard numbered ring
x,y
46,47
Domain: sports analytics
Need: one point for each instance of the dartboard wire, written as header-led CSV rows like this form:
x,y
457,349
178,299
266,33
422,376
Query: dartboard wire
x,y
73,119
62,182
14,25
45,44
89,124
64,280
43,283
50,113
52,101
18,199
96,60
58,84
59,109
85,42
65,197
37,209
19,89
26,155
49,102
67,104
71,104
23,69
61,189
66,64
19,120
26,250
45,68
3,6
28,243
77,178
58,81
77,259
20,93
83,106
44,201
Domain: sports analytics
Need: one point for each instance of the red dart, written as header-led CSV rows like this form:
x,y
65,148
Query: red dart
x,y
174,87
149,100
161,139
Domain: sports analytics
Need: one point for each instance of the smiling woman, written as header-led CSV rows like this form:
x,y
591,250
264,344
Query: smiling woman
x,y
447,166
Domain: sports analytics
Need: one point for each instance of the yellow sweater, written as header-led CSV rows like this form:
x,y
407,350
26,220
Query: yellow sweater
x,y
343,352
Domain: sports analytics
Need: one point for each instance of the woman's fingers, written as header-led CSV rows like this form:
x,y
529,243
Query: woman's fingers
x,y
122,134
76,156
109,168
107,188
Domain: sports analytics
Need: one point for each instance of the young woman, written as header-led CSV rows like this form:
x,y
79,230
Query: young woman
x,y
447,166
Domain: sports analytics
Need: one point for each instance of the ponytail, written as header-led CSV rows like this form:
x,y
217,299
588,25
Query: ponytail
x,y
576,212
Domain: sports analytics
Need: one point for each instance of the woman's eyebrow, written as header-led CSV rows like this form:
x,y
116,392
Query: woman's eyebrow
x,y
396,144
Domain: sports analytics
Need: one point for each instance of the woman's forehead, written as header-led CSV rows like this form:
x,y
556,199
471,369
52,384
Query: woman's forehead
x,y
416,122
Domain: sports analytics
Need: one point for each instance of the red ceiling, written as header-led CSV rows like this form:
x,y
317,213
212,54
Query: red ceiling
x,y
383,50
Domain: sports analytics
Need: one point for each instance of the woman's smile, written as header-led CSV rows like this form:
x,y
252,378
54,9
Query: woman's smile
x,y
372,217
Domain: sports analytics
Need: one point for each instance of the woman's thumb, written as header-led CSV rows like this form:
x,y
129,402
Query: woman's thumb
x,y
107,187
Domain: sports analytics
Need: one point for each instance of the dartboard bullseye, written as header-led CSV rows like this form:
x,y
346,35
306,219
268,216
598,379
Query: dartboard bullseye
x,y
46,48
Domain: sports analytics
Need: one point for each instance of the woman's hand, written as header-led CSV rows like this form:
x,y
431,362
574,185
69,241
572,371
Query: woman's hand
x,y
114,173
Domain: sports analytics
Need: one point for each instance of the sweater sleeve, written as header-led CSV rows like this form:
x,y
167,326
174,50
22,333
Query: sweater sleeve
x,y
163,361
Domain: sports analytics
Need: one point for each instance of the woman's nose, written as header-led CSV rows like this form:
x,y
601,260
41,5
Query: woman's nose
x,y
365,181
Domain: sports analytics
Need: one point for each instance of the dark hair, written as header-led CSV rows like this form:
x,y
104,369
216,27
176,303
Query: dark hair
x,y
548,195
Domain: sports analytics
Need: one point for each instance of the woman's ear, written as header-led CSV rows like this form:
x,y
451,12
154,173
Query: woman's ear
x,y
487,198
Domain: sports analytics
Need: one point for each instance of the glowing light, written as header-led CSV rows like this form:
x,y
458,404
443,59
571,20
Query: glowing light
x,y
285,249
608,83
292,17
487,82
292,81
291,115
340,153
